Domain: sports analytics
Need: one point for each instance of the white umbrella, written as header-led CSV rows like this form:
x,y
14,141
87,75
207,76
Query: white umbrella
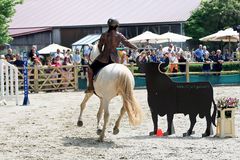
x,y
227,35
173,37
147,36
52,48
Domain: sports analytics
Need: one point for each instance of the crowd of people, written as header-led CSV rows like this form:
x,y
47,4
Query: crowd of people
x,y
173,53
176,55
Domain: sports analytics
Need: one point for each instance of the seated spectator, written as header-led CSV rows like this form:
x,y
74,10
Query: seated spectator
x,y
207,63
124,58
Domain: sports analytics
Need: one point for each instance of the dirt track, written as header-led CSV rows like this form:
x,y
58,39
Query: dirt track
x,y
47,130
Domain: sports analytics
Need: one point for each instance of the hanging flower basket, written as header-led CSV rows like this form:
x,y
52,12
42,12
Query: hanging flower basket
x,y
224,103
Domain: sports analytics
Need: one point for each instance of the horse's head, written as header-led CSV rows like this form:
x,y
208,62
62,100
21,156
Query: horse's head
x,y
94,52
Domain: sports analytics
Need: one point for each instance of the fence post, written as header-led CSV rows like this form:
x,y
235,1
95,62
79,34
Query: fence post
x,y
76,77
36,90
187,72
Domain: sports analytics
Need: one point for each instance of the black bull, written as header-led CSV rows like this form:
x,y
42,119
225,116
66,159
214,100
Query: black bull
x,y
166,97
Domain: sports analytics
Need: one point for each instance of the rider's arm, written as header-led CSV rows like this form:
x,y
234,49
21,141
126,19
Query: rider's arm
x,y
100,44
126,42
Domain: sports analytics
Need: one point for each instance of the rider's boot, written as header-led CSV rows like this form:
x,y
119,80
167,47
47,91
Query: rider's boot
x,y
90,88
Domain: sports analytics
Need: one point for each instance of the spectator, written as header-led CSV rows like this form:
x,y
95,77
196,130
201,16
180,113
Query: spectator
x,y
205,51
159,54
9,54
76,57
32,54
227,55
174,63
199,54
133,56
217,66
207,63
182,67
18,62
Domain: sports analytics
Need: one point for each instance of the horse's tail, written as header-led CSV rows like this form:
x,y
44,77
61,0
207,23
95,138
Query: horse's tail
x,y
214,113
129,102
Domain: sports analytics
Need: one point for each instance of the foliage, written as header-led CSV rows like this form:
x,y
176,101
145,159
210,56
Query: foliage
x,y
212,16
7,10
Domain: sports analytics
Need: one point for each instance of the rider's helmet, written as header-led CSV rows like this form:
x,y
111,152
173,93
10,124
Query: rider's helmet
x,y
113,22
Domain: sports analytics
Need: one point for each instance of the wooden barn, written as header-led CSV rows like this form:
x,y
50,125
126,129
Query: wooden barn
x,y
64,22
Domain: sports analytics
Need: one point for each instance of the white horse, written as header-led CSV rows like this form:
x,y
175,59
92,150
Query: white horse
x,y
113,80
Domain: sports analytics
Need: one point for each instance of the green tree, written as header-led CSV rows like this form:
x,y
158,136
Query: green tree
x,y
7,10
212,16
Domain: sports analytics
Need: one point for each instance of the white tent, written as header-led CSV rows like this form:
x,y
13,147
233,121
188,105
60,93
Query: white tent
x,y
146,37
52,48
173,37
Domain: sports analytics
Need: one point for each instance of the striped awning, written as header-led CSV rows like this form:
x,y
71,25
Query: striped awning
x,y
89,39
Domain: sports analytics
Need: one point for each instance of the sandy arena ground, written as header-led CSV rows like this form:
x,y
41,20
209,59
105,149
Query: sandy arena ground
x,y
47,130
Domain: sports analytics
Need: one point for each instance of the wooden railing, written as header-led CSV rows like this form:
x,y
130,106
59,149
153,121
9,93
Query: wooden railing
x,y
46,78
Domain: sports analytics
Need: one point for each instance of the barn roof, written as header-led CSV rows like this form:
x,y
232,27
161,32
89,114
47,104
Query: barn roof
x,y
15,32
53,13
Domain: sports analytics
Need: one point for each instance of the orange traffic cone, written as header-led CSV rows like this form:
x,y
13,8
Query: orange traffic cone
x,y
159,133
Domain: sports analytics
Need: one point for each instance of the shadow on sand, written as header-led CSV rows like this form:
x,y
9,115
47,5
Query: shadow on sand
x,y
86,142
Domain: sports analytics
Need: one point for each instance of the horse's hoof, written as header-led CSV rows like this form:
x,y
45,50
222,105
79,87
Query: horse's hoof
x,y
152,133
188,133
80,123
206,134
115,131
99,131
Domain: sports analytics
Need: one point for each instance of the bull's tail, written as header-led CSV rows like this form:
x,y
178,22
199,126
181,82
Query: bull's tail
x,y
214,113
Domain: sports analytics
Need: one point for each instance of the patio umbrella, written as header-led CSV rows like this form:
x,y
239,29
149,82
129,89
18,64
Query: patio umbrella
x,y
227,35
173,37
52,48
146,37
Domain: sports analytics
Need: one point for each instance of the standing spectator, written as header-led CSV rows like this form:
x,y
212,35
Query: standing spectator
x,y
174,63
159,54
182,67
205,51
207,63
199,54
76,57
9,54
217,66
227,55
133,56
18,62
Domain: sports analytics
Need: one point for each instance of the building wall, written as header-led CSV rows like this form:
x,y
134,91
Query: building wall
x,y
24,43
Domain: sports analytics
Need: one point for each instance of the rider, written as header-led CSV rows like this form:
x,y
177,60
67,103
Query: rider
x,y
107,45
